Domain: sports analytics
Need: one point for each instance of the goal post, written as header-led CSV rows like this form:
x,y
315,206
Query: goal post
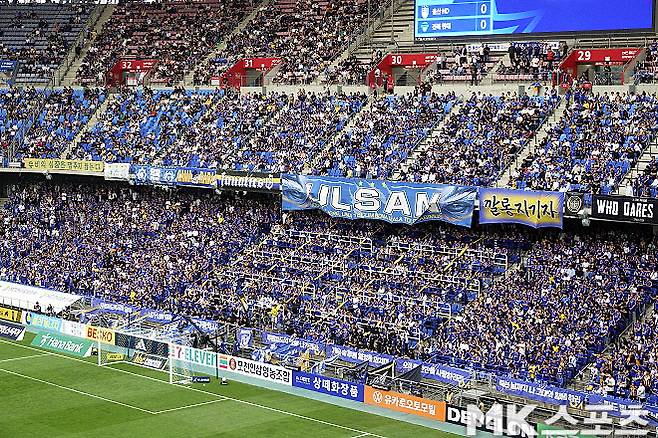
x,y
137,351
180,372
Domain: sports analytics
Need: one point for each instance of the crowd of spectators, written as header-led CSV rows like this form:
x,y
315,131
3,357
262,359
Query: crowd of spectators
x,y
263,132
60,116
178,35
363,284
646,184
573,293
307,35
383,135
480,139
40,36
630,368
597,141
531,61
129,244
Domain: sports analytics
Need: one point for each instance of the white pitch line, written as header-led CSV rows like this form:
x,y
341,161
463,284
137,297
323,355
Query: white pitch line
x,y
45,382
280,411
23,357
363,434
190,406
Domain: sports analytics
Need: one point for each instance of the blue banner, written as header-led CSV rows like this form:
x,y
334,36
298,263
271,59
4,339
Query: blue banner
x,y
6,65
349,354
111,307
43,321
435,371
245,338
328,385
152,175
157,316
394,202
276,338
540,392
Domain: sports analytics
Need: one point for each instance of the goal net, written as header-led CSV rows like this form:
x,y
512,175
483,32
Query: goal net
x,y
146,353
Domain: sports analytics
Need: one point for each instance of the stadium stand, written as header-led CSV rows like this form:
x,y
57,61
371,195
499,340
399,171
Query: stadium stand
x,y
276,131
478,141
629,370
383,134
307,35
177,34
60,116
597,141
40,36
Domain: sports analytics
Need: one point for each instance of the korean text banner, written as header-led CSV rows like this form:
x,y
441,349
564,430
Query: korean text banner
x,y
328,385
71,165
543,393
394,202
536,209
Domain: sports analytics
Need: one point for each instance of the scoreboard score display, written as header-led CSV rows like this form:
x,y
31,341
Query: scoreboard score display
x,y
452,18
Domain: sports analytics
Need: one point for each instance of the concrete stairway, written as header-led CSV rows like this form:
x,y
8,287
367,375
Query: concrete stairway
x,y
626,184
396,27
312,167
71,72
424,146
531,146
92,121
189,77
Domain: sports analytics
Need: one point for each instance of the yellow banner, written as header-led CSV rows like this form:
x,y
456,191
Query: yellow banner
x,y
536,209
106,336
71,165
10,314
113,357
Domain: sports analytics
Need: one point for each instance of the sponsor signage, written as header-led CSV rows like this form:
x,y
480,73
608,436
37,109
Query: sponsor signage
x,y
149,346
115,357
63,344
407,404
43,321
200,379
10,314
259,370
194,355
625,209
328,385
14,332
104,335
73,328
69,165
143,359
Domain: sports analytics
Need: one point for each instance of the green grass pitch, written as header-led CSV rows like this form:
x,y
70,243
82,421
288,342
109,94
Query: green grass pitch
x,y
44,394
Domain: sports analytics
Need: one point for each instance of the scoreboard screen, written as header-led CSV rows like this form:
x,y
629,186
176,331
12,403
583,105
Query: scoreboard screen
x,y
452,18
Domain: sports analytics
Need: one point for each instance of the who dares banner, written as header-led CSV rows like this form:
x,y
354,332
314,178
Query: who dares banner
x,y
393,202
70,165
535,209
624,209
